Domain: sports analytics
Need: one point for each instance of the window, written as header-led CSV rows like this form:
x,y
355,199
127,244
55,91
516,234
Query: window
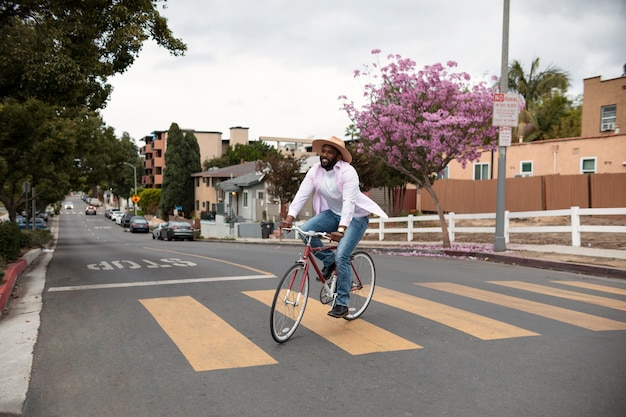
x,y
588,165
607,117
260,195
245,199
526,168
445,173
481,171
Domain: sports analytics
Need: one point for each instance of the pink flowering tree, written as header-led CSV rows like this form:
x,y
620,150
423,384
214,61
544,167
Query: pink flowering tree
x,y
417,122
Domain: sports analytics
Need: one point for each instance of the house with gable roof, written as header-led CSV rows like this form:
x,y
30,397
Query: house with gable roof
x,y
236,192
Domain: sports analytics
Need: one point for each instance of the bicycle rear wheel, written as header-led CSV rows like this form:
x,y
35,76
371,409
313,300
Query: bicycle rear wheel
x,y
362,284
289,303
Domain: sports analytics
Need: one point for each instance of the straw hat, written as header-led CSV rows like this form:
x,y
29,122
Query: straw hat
x,y
336,143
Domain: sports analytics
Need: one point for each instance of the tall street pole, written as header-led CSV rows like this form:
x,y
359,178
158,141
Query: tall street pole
x,y
499,242
135,171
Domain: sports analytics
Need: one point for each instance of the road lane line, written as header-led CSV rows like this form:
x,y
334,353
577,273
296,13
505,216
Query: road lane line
x,y
575,318
570,295
206,341
357,337
596,287
149,283
482,327
249,268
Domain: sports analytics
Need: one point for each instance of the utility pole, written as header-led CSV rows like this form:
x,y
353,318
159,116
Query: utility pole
x,y
135,171
499,242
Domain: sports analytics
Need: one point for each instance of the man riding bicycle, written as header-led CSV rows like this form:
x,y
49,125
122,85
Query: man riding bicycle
x,y
342,210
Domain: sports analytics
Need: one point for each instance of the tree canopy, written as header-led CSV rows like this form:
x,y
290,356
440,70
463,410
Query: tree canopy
x,y
283,176
62,52
417,121
254,151
55,61
546,103
182,158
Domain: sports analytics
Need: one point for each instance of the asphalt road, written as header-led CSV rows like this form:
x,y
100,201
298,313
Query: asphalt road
x,y
131,326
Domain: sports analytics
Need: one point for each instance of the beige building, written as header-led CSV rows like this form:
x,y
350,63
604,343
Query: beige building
x,y
211,145
604,106
600,149
568,156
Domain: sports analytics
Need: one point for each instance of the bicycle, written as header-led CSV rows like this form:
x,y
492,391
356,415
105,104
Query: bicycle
x,y
292,292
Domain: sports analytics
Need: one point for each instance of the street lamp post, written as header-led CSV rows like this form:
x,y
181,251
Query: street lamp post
x,y
135,171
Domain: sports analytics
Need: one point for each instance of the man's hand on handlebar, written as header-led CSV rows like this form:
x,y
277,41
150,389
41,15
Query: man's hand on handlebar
x,y
335,236
286,223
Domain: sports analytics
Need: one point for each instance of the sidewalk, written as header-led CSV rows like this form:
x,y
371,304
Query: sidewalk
x,y
19,328
516,254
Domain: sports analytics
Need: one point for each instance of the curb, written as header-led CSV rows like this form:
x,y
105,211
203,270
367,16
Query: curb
x,y
603,271
13,270
585,269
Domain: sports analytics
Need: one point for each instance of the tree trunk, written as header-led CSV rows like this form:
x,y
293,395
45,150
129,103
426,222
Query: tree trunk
x,y
442,219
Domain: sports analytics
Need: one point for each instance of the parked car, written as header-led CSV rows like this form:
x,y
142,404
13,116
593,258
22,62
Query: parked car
x,y
125,220
138,224
68,205
176,230
108,213
117,217
156,232
91,210
39,223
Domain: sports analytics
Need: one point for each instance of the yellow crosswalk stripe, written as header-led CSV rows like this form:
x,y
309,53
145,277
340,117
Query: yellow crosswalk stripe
x,y
206,341
596,287
575,318
570,295
357,337
476,325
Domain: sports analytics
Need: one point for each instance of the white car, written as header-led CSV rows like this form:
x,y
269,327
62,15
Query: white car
x,y
117,217
68,205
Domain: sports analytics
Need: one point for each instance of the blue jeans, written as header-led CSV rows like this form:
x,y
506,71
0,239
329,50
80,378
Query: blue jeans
x,y
327,221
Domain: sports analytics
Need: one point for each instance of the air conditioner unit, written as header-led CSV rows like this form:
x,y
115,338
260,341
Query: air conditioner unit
x,y
607,126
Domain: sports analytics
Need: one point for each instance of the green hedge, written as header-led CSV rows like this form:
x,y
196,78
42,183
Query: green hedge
x,y
13,241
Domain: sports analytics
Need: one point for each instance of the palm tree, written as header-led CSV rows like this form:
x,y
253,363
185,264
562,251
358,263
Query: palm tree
x,y
544,94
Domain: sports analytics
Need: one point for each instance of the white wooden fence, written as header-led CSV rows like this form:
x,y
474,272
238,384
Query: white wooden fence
x,y
574,213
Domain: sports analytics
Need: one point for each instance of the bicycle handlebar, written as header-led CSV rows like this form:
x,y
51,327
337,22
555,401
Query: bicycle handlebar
x,y
310,233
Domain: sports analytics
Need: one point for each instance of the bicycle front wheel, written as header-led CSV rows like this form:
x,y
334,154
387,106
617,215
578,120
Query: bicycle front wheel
x,y
289,303
362,284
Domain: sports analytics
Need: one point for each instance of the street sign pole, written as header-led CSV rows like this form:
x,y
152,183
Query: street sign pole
x,y
499,242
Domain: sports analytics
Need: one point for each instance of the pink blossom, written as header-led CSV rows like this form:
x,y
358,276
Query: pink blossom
x,y
418,121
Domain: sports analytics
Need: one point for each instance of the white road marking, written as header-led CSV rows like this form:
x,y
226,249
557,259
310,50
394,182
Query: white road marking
x,y
149,283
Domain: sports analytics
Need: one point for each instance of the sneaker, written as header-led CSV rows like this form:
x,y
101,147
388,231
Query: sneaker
x,y
338,311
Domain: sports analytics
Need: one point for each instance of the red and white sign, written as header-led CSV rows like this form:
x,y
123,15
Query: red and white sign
x,y
505,136
505,109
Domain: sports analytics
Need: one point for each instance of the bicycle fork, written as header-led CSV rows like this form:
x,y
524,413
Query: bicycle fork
x,y
287,298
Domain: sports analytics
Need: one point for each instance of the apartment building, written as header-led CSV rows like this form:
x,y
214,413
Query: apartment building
x,y
604,106
600,149
211,145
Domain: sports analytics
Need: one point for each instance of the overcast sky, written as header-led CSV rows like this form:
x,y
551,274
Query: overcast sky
x,y
278,67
